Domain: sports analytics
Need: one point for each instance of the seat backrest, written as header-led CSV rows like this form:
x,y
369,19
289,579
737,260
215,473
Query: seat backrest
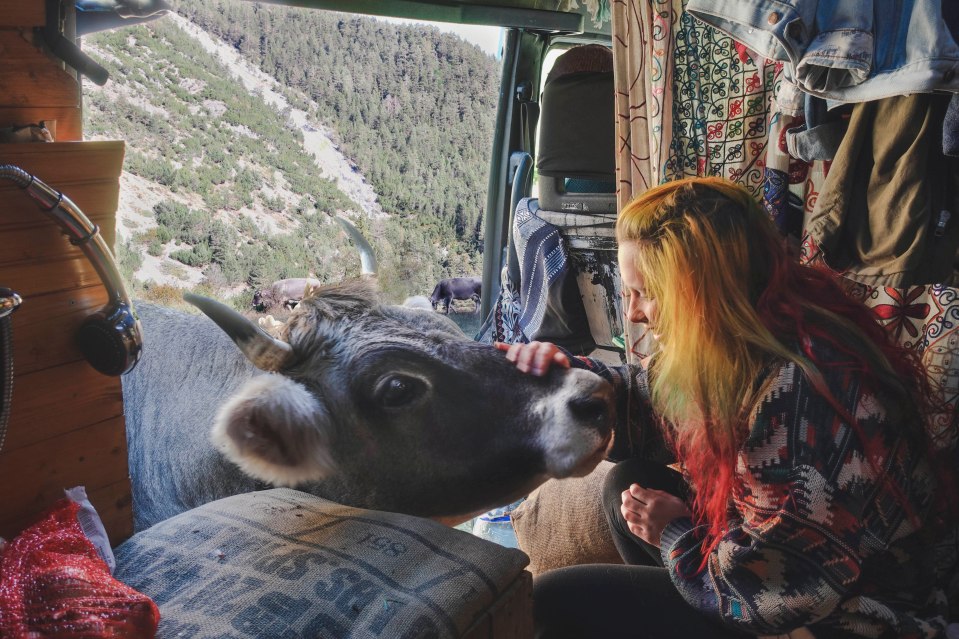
x,y
576,163
561,283
575,156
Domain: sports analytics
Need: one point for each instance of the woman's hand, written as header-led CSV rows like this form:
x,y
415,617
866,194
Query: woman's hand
x,y
647,511
535,358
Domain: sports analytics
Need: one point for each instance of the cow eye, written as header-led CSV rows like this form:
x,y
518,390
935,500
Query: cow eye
x,y
398,390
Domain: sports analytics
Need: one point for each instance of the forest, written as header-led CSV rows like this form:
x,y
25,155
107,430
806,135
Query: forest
x,y
238,202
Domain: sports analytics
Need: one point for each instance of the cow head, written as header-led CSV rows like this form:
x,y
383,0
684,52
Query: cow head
x,y
394,408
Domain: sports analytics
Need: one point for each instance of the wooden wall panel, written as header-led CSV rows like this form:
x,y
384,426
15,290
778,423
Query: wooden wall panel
x,y
40,341
42,86
98,201
75,385
94,456
33,84
45,241
75,163
50,275
21,13
66,423
66,120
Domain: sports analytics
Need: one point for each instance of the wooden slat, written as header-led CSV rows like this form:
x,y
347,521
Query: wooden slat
x,y
20,49
29,76
96,200
66,425
22,13
62,162
46,242
21,56
114,504
48,86
33,477
68,120
44,327
41,398
49,276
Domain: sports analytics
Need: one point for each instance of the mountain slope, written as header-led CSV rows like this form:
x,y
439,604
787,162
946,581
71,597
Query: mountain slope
x,y
413,106
225,190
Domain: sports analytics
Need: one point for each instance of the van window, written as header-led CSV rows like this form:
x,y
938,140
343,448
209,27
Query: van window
x,y
248,126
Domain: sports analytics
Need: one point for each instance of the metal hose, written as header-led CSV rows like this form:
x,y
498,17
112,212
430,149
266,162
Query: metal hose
x,y
110,339
9,302
74,224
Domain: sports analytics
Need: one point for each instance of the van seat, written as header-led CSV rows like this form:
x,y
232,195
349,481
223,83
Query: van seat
x,y
577,190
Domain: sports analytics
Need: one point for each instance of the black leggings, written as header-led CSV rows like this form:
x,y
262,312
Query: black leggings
x,y
637,600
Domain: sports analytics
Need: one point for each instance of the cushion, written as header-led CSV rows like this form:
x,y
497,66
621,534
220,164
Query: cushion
x,y
282,563
562,523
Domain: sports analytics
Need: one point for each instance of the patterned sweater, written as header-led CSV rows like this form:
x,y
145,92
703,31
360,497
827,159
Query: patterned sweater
x,y
815,539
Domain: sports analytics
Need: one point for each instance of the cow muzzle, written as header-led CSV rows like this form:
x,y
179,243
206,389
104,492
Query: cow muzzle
x,y
577,422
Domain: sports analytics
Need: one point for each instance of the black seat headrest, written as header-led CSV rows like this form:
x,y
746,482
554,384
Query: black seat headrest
x,y
577,132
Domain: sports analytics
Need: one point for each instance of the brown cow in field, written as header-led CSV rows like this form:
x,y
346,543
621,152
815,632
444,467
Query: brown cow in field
x,y
282,293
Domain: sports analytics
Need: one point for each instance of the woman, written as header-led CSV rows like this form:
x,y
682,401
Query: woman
x,y
811,494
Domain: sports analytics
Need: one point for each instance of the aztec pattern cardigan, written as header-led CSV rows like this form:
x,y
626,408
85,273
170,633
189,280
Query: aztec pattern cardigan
x,y
816,537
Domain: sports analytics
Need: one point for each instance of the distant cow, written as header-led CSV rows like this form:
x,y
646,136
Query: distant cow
x,y
282,293
418,301
376,406
457,288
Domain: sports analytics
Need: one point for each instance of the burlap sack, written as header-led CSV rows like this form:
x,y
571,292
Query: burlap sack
x,y
562,523
281,563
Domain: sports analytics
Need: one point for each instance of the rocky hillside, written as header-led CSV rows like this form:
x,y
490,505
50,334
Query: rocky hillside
x,y
231,178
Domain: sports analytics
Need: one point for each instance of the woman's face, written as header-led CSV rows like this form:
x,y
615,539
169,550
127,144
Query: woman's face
x,y
639,308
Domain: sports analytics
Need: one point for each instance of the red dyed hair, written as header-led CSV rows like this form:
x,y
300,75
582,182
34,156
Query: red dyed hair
x,y
709,252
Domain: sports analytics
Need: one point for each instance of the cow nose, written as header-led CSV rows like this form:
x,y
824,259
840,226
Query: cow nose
x,y
592,409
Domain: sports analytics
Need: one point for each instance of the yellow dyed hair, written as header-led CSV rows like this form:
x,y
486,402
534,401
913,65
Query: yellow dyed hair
x,y
730,298
704,248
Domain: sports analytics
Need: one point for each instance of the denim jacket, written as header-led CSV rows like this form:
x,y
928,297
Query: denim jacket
x,y
845,50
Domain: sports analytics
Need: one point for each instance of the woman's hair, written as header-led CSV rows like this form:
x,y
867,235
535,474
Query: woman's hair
x,y
733,301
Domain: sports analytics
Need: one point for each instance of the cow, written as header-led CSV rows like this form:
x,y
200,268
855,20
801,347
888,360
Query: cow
x,y
457,288
282,293
370,405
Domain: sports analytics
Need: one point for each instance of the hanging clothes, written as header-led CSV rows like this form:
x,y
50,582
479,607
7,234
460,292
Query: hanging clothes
x,y
847,50
690,100
885,212
819,137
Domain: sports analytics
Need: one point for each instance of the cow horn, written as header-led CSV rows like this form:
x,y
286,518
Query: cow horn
x,y
264,351
367,258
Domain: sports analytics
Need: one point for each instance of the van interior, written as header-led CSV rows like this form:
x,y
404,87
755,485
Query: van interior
x,y
247,566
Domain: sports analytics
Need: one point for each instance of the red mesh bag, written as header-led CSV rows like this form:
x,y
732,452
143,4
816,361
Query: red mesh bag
x,y
53,583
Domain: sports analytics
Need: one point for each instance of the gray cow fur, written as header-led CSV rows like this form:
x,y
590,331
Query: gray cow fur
x,y
478,433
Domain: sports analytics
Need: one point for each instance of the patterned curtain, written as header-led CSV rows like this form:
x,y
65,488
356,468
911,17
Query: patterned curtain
x,y
692,101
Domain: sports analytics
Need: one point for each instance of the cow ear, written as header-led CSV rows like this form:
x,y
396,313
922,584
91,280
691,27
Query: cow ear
x,y
274,429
